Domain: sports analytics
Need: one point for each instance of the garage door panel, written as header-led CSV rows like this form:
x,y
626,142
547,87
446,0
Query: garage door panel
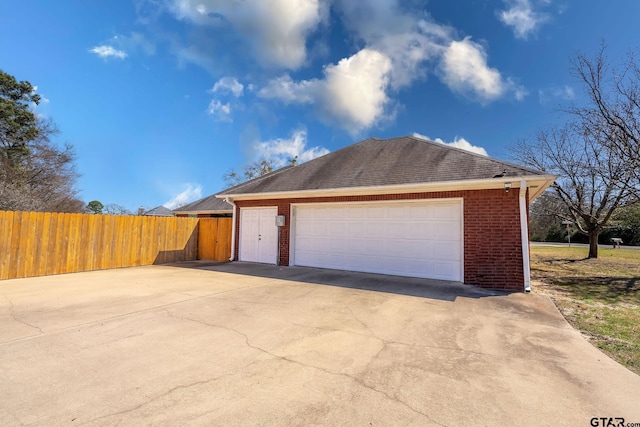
x,y
319,229
395,264
337,244
305,244
396,247
355,245
444,270
443,230
398,229
422,239
374,212
442,211
355,228
318,244
353,213
446,251
417,212
396,213
305,215
337,228
416,268
421,230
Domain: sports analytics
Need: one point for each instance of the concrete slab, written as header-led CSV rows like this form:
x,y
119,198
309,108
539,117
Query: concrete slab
x,y
248,344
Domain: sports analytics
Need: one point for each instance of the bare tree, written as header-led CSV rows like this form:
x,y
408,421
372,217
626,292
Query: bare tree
x,y
115,209
613,110
596,155
42,180
251,171
593,180
546,214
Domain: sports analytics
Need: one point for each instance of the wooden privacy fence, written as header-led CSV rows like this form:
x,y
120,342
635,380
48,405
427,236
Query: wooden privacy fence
x,y
38,243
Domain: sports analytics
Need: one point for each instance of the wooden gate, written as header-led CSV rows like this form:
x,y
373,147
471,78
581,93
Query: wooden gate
x,y
214,239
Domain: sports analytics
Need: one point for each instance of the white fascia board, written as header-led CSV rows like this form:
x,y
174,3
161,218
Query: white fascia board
x,y
538,182
538,186
204,212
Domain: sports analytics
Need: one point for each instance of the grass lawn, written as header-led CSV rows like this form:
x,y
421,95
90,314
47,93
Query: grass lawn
x,y
599,297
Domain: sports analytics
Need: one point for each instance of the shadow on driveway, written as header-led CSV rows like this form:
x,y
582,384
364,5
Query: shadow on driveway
x,y
411,286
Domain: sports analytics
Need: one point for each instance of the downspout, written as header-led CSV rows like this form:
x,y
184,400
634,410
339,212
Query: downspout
x,y
233,228
524,235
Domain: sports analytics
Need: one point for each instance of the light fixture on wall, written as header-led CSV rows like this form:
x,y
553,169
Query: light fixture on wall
x,y
507,187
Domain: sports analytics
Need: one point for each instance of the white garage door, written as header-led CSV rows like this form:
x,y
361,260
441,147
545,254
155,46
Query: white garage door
x,y
418,239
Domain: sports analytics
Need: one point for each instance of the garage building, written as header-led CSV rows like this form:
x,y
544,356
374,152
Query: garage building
x,y
402,206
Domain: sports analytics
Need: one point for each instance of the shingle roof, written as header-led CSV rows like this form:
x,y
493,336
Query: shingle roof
x,y
159,211
383,162
208,204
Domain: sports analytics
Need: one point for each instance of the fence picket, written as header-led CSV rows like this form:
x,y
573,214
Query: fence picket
x,y
6,228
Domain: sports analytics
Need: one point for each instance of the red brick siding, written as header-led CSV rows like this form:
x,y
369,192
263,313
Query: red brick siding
x,y
492,248
492,242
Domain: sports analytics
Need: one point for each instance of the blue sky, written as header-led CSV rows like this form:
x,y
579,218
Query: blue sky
x,y
161,97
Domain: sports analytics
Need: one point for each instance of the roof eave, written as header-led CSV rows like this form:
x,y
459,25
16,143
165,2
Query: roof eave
x,y
204,211
538,183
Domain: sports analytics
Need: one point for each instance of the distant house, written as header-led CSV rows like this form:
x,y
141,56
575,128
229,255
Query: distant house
x,y
208,207
402,206
159,211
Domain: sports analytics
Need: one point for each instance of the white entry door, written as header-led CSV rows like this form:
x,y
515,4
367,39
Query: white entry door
x,y
419,239
258,235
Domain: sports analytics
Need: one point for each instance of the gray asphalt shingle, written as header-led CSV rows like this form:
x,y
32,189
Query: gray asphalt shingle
x,y
383,162
210,203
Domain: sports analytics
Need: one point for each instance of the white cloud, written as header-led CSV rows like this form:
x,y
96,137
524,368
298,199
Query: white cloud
x,y
221,112
228,85
225,86
558,93
411,39
465,70
277,29
407,37
457,142
135,41
519,92
105,51
191,193
281,150
352,93
399,43
522,18
410,50
118,46
288,91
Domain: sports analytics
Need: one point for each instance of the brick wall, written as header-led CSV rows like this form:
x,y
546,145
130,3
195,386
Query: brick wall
x,y
492,247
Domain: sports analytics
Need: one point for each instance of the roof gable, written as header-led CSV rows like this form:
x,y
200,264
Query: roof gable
x,y
383,162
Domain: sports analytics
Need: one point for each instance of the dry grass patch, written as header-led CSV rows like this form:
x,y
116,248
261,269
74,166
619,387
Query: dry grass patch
x,y
599,297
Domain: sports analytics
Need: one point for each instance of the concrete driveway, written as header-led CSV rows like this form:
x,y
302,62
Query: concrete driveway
x,y
246,344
